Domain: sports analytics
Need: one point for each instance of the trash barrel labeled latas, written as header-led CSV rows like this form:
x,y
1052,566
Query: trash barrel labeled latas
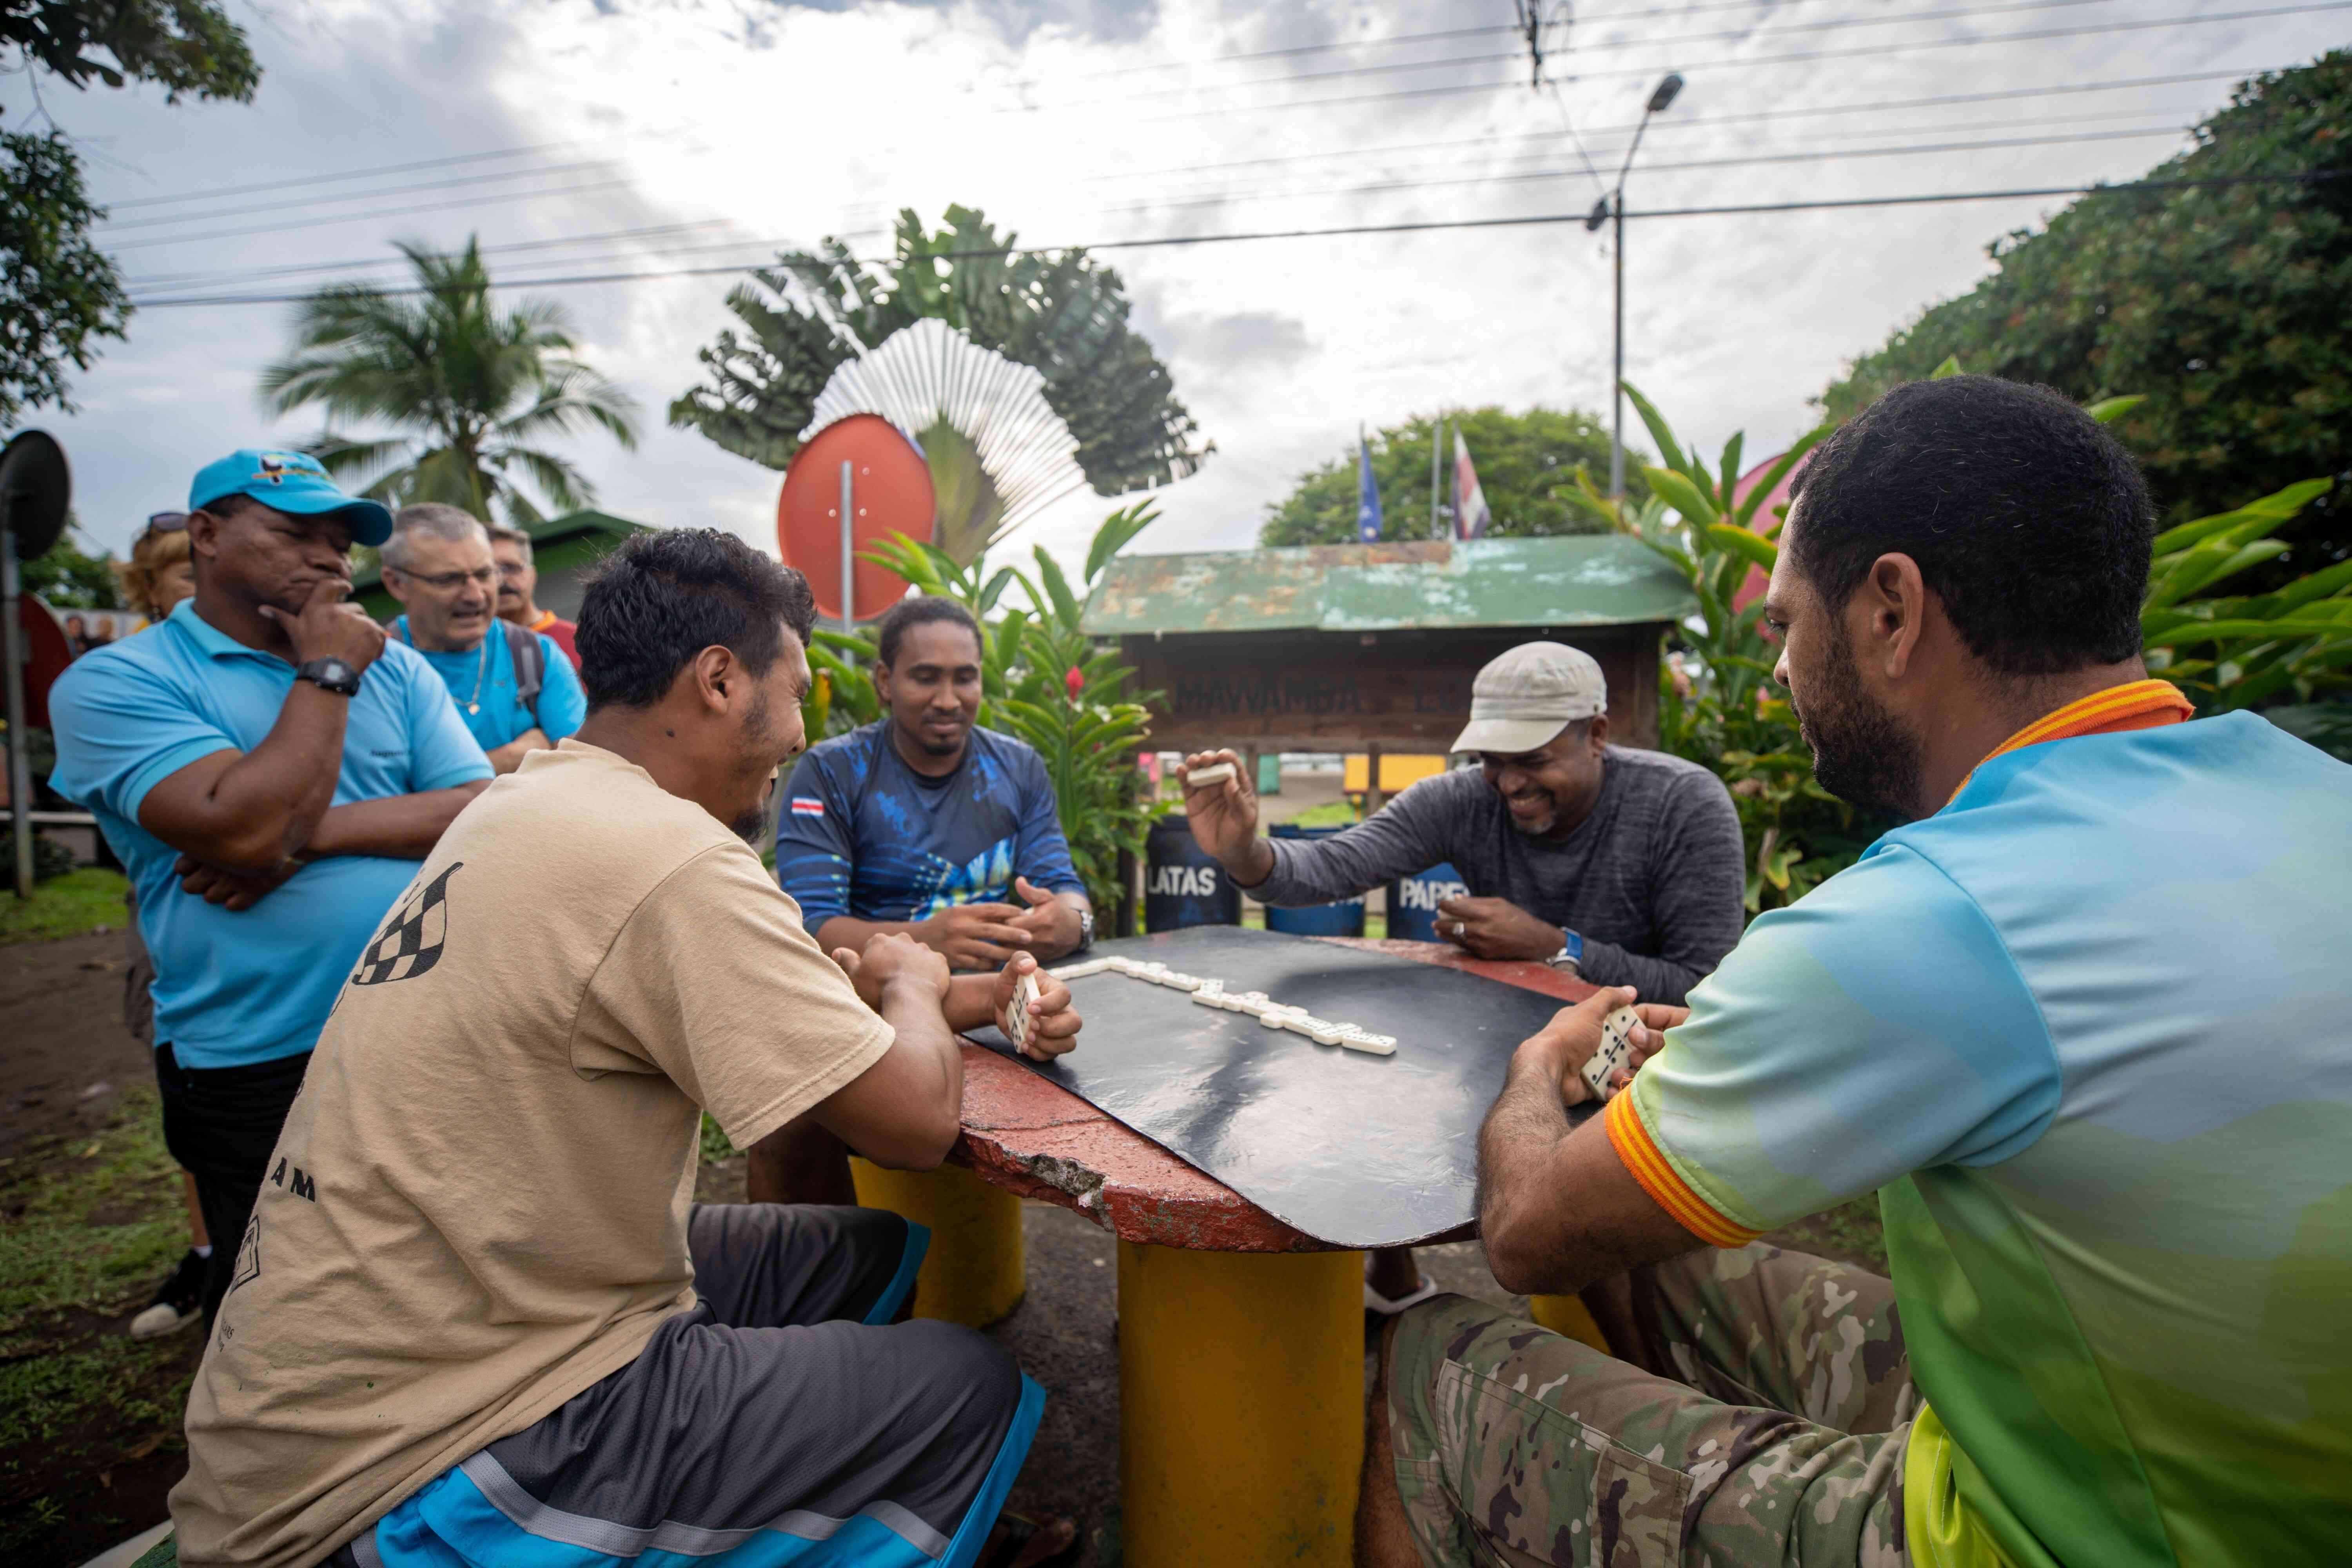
x,y
1182,883
1413,900
1345,918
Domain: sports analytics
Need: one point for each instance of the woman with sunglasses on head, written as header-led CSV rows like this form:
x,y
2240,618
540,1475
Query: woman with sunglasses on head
x,y
158,574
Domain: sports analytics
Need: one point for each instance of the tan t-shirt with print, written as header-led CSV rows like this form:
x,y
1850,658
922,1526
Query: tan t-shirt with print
x,y
477,1207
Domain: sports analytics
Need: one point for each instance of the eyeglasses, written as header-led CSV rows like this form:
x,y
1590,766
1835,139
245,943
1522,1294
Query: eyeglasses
x,y
163,522
513,570
450,582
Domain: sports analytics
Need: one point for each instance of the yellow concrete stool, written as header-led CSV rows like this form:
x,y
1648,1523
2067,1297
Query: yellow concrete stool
x,y
974,1272
1241,1406
1568,1315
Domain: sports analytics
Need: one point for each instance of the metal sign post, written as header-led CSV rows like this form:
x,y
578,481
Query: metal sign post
x,y
848,558
20,769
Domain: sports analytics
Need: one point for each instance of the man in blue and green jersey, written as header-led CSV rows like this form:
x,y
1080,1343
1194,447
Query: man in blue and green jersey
x,y
2085,1024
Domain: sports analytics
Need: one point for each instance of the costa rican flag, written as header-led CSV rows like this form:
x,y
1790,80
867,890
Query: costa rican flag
x,y
804,806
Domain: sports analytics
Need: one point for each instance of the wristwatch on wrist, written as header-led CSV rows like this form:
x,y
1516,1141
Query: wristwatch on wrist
x,y
1085,930
330,675
1570,956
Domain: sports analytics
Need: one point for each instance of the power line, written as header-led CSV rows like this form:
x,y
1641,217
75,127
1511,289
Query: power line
x,y
364,217
155,279
1749,161
1857,53
1684,122
347,175
1345,230
307,203
1775,31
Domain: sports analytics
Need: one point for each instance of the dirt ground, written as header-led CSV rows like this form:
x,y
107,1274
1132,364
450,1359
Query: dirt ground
x,y
90,1440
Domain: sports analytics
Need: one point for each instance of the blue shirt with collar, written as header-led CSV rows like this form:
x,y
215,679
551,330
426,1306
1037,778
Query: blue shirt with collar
x,y
234,989
502,714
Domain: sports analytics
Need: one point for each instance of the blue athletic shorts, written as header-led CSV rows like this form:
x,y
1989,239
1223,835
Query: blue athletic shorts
x,y
785,1419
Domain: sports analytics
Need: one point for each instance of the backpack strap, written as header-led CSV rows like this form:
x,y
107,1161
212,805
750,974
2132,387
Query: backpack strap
x,y
530,664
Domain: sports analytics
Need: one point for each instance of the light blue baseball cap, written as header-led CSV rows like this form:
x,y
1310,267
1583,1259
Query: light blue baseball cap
x,y
293,483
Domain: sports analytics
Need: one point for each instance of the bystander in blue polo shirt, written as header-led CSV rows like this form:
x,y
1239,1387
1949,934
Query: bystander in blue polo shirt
x,y
481,682
236,989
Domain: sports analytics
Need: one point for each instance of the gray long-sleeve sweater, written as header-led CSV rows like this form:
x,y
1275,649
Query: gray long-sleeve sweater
x,y
1653,881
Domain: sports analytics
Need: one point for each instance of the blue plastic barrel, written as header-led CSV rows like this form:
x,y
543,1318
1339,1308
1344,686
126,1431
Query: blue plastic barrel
x,y
1182,883
1413,900
1345,918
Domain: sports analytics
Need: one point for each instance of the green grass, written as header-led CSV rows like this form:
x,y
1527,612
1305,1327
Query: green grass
x,y
88,1225
1851,1231
73,905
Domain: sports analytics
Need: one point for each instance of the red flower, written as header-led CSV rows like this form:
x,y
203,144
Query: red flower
x,y
1074,683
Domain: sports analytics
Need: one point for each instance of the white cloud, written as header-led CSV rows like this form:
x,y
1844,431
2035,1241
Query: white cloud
x,y
783,123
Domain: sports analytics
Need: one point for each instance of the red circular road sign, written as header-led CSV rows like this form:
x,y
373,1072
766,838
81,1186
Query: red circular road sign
x,y
47,654
891,492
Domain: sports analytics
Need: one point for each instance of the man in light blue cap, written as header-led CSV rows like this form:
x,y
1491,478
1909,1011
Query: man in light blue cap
x,y
269,771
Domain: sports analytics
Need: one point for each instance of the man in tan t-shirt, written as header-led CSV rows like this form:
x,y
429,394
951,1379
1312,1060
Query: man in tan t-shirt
x,y
477,1317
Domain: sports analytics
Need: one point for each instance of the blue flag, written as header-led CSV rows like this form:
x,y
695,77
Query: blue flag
x,y
1367,494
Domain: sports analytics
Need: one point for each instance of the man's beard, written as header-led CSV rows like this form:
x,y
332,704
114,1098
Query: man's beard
x,y
758,741
1862,753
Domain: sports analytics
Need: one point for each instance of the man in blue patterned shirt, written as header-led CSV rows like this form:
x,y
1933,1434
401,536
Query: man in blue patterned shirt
x,y
921,821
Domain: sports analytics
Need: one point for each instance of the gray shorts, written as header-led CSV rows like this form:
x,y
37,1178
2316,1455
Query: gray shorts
x,y
785,1419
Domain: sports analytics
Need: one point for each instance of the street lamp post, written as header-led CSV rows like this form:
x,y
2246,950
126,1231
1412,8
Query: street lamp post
x,y
1612,205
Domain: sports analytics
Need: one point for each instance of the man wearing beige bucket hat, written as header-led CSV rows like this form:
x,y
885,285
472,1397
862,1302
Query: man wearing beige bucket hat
x,y
1622,867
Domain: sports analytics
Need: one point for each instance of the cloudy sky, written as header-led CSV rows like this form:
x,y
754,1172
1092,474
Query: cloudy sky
x,y
583,138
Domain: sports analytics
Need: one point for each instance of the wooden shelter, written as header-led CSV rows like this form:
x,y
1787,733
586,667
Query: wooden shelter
x,y
1344,647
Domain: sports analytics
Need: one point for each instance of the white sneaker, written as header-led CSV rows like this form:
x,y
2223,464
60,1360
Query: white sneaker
x,y
180,1302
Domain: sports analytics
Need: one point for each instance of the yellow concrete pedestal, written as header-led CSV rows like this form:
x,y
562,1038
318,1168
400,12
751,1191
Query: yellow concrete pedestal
x,y
1241,1406
1568,1315
975,1272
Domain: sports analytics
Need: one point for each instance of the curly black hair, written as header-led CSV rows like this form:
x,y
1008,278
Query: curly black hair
x,y
2028,520
662,597
908,613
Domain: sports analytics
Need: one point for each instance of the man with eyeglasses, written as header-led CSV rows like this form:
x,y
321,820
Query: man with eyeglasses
x,y
515,689
269,771
519,587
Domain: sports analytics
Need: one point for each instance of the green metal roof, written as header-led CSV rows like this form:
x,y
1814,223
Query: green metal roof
x,y
1582,580
585,525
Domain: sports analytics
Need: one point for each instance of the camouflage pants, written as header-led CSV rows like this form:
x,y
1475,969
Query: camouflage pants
x,y
1768,1427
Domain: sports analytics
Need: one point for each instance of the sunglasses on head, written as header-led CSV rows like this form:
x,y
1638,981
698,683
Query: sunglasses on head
x,y
164,522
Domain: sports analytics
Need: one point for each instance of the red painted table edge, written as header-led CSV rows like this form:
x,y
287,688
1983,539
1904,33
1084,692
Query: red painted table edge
x,y
1036,1139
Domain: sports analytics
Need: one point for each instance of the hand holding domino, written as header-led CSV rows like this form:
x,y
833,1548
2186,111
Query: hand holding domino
x,y
1615,1051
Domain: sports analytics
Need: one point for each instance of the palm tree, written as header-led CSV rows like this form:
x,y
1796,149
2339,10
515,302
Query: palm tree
x,y
471,388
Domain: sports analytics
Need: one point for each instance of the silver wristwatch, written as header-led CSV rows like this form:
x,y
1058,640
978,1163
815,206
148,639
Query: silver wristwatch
x,y
1564,960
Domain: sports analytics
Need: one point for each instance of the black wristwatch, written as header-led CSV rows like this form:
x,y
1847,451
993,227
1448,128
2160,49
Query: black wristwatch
x,y
330,675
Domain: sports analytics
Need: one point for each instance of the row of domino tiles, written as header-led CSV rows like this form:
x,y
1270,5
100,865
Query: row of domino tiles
x,y
1211,992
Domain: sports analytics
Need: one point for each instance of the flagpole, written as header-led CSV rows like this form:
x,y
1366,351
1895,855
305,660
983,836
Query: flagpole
x,y
1436,452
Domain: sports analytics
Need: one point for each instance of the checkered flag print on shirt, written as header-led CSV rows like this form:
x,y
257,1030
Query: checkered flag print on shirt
x,y
412,944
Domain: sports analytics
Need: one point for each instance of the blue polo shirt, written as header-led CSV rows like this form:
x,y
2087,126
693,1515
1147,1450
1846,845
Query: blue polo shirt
x,y
866,835
236,989
490,665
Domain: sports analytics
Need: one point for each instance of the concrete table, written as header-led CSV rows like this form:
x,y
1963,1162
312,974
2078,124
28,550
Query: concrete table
x,y
1240,1339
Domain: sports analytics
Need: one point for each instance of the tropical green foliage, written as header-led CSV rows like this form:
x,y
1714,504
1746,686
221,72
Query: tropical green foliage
x,y
70,578
1042,679
2294,643
2225,304
1727,712
1065,315
57,290
2247,650
1527,465
472,387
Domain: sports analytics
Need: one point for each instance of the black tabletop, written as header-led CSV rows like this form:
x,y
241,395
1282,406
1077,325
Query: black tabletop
x,y
1354,1149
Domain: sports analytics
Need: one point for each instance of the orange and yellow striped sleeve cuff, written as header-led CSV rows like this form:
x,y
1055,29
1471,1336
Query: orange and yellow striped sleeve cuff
x,y
1634,1146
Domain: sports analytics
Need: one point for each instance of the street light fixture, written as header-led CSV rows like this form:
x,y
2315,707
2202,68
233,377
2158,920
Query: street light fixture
x,y
1613,204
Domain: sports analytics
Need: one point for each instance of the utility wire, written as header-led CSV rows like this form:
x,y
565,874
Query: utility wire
x,y
153,280
1423,227
308,203
1684,122
1734,34
347,175
364,217
1857,53
1751,160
